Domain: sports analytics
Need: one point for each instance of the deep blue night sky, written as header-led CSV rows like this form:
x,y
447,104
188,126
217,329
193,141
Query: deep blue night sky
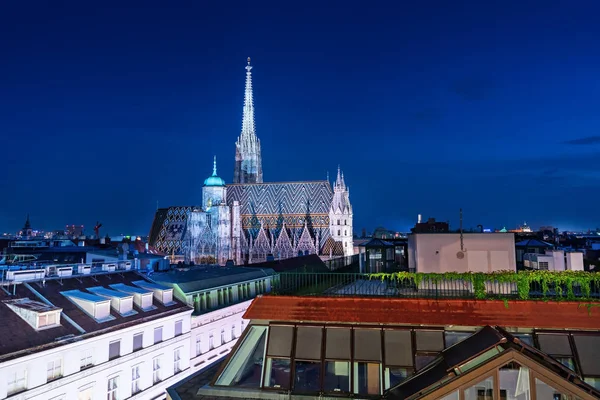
x,y
428,106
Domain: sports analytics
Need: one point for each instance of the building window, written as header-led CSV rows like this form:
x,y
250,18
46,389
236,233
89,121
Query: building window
x,y
198,345
222,335
156,370
399,364
16,382
279,349
158,335
338,221
177,361
345,223
178,327
543,265
138,341
338,232
135,380
245,368
232,332
112,388
85,394
87,358
46,320
481,390
114,349
211,342
54,369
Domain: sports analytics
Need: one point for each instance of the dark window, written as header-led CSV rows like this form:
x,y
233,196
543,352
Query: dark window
x,y
397,375
430,340
307,376
157,335
422,360
367,378
367,344
588,349
398,348
337,376
456,337
555,344
138,341
280,341
308,342
114,350
278,373
178,328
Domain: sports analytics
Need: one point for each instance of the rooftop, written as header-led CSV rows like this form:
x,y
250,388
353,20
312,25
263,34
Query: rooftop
x,y
307,350
431,312
52,292
205,277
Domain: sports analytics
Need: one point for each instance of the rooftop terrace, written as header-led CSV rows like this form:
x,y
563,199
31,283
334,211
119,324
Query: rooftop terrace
x,y
525,285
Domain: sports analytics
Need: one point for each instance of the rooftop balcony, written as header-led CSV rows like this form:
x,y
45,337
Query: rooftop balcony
x,y
526,285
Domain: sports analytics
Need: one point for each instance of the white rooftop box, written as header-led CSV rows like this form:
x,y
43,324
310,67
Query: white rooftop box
x,y
95,306
141,297
126,265
25,275
64,271
109,267
84,269
163,294
119,301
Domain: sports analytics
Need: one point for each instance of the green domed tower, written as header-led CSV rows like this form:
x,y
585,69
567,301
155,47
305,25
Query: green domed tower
x,y
214,190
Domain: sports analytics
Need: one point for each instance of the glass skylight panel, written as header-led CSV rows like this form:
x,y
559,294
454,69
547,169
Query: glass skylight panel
x,y
244,369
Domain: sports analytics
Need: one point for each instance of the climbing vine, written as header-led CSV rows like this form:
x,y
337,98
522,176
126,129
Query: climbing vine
x,y
525,285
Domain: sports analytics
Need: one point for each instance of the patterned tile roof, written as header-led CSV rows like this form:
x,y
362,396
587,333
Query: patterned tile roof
x,y
525,314
299,198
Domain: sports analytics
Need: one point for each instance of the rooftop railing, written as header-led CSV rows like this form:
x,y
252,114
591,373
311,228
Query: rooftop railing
x,y
526,285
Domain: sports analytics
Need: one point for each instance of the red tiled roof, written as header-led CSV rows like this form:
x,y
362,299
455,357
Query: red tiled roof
x,y
524,314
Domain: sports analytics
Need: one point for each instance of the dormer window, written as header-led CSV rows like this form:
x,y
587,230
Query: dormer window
x,y
37,314
95,306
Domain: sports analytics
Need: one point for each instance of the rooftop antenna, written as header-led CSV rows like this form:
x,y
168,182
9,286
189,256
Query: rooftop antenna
x,y
462,247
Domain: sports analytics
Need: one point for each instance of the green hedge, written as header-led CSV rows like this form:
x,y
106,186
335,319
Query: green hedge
x,y
563,282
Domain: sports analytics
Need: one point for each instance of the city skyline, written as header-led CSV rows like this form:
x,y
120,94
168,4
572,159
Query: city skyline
x,y
425,111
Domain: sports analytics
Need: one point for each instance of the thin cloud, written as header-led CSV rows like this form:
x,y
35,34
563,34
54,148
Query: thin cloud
x,y
586,141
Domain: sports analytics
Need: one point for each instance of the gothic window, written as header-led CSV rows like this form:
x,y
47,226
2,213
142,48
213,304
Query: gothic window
x,y
345,223
338,221
338,232
345,232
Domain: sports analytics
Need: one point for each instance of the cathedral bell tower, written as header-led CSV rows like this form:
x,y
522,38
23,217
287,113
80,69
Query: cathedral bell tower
x,y
248,161
340,215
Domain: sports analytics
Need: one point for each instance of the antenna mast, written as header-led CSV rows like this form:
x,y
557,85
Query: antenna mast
x,y
462,248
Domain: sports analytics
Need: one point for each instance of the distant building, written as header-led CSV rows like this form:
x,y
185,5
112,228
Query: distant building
x,y
531,246
431,226
453,252
554,260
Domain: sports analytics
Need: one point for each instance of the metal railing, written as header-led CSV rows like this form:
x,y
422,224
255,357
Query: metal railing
x,y
359,284
335,264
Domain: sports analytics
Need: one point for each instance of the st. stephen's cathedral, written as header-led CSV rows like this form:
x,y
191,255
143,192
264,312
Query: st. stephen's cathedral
x,y
250,220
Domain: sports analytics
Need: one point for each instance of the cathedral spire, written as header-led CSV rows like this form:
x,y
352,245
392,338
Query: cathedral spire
x,y
215,166
248,160
339,182
248,130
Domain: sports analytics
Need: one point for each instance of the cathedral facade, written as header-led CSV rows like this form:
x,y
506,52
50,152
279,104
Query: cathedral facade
x,y
250,221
